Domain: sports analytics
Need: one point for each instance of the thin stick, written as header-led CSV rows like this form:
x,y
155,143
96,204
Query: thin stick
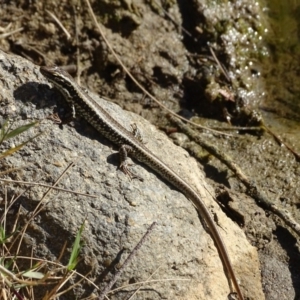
x,y
59,24
252,189
38,208
78,71
136,82
142,284
148,282
47,186
126,262
5,35
281,142
219,64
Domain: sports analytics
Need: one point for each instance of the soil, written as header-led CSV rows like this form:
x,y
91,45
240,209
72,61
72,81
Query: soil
x,y
171,49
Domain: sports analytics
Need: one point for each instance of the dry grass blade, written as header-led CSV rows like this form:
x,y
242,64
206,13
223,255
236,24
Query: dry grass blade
x,y
142,284
146,282
5,35
19,281
16,281
68,35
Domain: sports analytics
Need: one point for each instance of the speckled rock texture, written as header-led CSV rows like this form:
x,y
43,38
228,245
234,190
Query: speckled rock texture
x,y
179,251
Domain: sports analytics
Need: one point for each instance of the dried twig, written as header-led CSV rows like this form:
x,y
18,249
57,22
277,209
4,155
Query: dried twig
x,y
47,186
5,35
126,262
259,196
281,142
68,35
135,81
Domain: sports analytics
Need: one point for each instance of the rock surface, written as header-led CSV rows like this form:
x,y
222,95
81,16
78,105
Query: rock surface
x,y
179,251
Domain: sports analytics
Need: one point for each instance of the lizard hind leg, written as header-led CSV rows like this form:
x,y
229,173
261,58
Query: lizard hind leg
x,y
124,165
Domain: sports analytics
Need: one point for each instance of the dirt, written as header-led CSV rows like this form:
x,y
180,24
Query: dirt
x,y
180,69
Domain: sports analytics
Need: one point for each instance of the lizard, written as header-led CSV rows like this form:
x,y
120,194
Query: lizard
x,y
82,103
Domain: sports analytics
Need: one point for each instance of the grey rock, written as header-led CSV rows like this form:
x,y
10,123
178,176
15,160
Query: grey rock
x,y
179,254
